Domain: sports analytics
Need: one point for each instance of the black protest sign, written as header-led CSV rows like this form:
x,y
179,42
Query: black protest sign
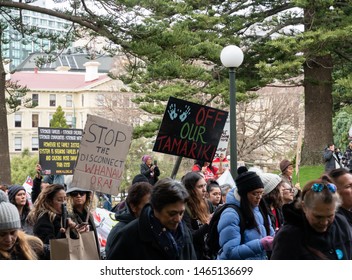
x,y
103,151
58,149
190,130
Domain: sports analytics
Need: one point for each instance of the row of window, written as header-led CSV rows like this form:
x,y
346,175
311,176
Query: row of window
x,y
18,143
52,100
35,119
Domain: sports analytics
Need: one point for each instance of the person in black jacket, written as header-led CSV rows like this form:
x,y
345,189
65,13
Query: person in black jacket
x,y
137,197
343,181
150,170
45,216
159,233
313,230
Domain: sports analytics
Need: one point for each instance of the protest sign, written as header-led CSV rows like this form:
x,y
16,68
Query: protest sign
x,y
190,130
103,151
58,149
224,139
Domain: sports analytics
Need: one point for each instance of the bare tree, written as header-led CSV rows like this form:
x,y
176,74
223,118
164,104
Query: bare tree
x,y
267,127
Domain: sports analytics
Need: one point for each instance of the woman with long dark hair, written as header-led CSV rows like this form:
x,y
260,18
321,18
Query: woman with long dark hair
x,y
197,215
256,238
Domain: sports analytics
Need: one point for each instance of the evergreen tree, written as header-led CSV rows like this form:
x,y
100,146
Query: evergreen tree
x,y
174,47
59,120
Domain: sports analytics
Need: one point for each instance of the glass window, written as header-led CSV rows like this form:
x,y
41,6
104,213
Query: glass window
x,y
82,100
18,120
35,143
35,99
18,143
100,100
68,100
35,120
69,119
52,100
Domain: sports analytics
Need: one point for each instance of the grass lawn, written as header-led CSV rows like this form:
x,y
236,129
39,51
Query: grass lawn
x,y
307,173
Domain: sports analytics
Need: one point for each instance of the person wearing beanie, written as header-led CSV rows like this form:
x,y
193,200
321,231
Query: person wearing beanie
x,y
258,233
18,197
14,243
273,191
149,170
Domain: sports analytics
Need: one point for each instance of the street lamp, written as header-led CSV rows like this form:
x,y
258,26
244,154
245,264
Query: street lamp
x,y
232,57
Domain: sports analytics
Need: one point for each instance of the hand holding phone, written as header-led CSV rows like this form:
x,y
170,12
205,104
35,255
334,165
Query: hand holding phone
x,y
155,162
64,215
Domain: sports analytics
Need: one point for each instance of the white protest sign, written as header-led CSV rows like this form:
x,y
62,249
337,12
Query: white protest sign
x,y
224,140
102,154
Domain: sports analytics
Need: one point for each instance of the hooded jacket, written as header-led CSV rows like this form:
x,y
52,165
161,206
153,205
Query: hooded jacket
x,y
230,236
297,240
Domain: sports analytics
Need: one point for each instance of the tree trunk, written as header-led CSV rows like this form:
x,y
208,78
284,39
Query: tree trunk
x,y
5,167
318,109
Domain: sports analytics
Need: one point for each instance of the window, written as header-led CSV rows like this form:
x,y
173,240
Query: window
x,y
69,120
82,100
18,143
35,99
68,100
35,143
100,100
18,120
35,120
52,100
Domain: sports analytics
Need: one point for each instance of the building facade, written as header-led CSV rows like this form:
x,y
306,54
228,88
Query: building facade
x,y
78,93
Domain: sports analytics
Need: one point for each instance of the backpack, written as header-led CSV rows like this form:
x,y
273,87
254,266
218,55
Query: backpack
x,y
212,238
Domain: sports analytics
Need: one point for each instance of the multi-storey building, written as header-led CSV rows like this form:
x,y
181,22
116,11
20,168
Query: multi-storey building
x,y
78,93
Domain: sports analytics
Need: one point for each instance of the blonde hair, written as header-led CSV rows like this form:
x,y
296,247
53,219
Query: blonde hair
x,y
44,204
90,205
28,246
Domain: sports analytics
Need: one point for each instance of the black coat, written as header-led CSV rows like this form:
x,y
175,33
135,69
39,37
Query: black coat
x,y
123,218
152,176
79,218
199,232
136,241
297,240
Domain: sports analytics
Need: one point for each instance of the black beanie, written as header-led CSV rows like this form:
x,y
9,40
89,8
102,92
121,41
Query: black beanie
x,y
13,190
139,178
247,181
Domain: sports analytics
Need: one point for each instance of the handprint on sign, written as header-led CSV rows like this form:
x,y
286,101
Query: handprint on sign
x,y
185,114
172,111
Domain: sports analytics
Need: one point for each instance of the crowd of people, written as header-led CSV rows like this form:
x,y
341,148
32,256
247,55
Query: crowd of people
x,y
166,219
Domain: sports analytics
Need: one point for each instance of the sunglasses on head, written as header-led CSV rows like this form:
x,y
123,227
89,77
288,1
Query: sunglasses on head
x,y
75,193
319,187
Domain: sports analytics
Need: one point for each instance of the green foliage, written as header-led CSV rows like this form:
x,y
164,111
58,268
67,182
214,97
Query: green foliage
x,y
341,125
147,130
59,120
307,173
23,166
16,97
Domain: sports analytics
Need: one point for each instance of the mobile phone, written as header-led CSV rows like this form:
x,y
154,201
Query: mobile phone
x,y
155,162
64,215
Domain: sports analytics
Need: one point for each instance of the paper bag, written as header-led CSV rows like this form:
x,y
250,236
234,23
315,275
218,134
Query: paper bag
x,y
83,248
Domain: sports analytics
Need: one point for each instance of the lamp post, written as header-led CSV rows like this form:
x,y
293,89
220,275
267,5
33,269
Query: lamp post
x,y
232,57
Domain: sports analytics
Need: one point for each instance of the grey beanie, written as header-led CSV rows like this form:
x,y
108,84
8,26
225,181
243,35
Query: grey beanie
x,y
270,181
9,216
